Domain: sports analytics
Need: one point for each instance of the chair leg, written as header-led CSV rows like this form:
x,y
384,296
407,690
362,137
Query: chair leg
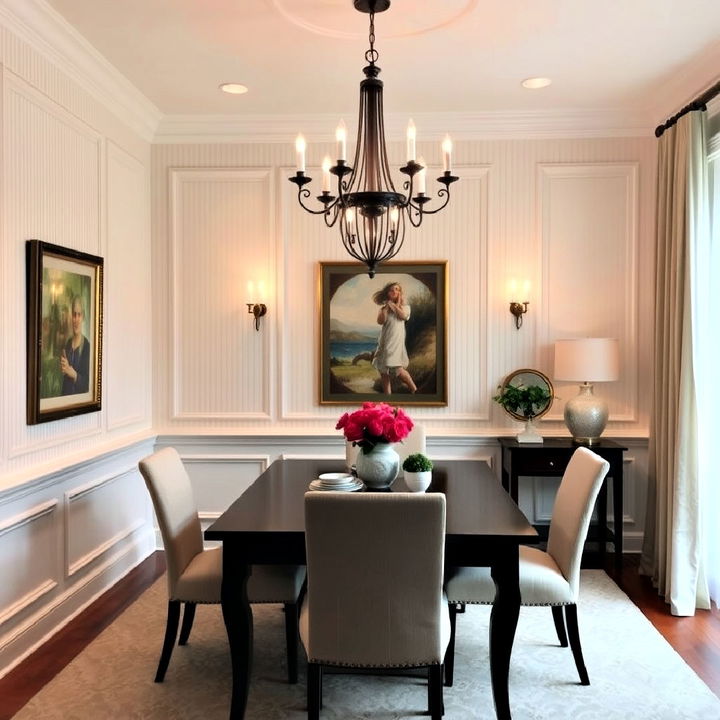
x,y
291,641
557,612
314,690
187,623
450,653
173,620
574,635
435,692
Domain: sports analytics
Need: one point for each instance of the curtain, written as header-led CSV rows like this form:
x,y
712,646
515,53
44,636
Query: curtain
x,y
674,552
709,270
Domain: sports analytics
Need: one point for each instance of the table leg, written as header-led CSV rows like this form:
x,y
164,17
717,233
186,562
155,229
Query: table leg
x,y
239,625
503,622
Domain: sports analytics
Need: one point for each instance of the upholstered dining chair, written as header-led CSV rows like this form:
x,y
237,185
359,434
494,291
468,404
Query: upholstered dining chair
x,y
547,578
194,575
374,596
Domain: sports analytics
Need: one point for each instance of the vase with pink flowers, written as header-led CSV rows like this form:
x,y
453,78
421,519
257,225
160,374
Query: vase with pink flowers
x,y
373,428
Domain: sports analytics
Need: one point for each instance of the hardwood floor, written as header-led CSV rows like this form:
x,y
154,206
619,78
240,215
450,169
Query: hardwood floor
x,y
696,639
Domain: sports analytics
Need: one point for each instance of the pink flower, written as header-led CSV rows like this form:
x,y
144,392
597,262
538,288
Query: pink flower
x,y
375,423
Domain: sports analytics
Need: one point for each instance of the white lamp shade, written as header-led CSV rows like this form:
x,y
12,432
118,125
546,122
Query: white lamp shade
x,y
587,360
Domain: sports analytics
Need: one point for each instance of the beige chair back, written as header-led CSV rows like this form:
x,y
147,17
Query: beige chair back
x,y
176,511
413,443
573,508
375,571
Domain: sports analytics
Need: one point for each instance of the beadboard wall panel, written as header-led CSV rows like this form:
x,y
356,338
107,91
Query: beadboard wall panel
x,y
74,175
128,291
490,233
54,161
588,228
221,222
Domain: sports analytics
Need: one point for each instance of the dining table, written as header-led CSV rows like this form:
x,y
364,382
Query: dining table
x,y
266,525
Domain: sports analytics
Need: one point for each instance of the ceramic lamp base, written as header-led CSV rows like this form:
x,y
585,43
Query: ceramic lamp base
x,y
586,416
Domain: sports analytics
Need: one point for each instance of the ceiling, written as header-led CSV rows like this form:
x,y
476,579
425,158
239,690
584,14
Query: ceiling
x,y
306,56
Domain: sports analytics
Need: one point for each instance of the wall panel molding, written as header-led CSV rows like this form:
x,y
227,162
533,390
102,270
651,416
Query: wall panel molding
x,y
227,203
588,223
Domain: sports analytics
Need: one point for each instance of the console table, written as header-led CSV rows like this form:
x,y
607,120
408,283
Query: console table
x,y
549,459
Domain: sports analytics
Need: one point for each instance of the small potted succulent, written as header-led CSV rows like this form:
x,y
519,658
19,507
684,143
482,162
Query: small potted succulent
x,y
417,470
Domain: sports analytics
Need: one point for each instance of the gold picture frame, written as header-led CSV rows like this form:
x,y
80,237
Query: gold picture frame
x,y
64,332
352,357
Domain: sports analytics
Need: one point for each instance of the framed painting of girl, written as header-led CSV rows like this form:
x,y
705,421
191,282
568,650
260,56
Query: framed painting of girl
x,y
383,338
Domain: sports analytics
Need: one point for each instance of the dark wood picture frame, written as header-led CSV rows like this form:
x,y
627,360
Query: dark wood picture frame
x,y
349,333
64,332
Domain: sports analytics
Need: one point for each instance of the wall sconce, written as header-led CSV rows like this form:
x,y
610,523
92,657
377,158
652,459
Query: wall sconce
x,y
256,309
518,309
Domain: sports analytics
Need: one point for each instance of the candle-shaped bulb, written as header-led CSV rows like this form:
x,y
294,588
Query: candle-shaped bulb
x,y
394,215
300,146
326,165
411,135
341,137
421,176
447,151
350,220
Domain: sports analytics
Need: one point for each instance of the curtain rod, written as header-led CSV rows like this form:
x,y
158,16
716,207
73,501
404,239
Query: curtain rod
x,y
699,103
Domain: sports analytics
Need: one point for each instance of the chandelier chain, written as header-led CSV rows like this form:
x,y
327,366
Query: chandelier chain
x,y
372,54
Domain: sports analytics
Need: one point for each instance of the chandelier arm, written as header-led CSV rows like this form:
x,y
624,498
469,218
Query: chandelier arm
x,y
304,192
442,192
333,210
414,211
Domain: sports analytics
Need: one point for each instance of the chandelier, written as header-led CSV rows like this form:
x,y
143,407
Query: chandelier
x,y
371,212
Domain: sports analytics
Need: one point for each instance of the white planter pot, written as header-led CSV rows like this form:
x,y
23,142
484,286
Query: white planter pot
x,y
418,481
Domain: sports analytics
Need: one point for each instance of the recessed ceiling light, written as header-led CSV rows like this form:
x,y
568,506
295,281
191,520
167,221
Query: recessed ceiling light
x,y
234,88
535,83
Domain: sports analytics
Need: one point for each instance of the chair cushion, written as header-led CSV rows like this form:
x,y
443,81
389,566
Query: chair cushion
x,y
380,641
201,580
541,582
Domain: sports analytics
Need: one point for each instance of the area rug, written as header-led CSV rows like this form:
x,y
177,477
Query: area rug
x,y
634,673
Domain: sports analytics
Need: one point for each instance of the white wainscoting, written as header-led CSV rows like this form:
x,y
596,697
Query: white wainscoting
x,y
65,537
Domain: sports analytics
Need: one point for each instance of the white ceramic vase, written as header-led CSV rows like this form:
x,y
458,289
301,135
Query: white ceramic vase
x,y
418,481
379,467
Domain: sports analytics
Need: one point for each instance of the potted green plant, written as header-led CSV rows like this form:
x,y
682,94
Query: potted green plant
x,y
526,395
417,469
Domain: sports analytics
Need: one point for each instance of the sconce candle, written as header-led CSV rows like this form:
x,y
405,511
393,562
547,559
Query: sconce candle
x,y
300,153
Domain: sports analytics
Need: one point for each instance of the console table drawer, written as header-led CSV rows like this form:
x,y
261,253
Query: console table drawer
x,y
538,462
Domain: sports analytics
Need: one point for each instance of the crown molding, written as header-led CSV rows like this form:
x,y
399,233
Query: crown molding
x,y
557,124
46,31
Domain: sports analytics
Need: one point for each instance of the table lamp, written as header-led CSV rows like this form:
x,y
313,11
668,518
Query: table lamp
x,y
586,360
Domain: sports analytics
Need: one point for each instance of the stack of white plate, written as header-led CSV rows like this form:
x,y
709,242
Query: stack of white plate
x,y
336,481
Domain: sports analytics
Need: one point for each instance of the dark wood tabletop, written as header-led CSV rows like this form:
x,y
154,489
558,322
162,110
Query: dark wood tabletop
x,y
270,515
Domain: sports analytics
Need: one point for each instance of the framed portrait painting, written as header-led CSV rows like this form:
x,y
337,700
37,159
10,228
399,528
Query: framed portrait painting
x,y
383,338
64,332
